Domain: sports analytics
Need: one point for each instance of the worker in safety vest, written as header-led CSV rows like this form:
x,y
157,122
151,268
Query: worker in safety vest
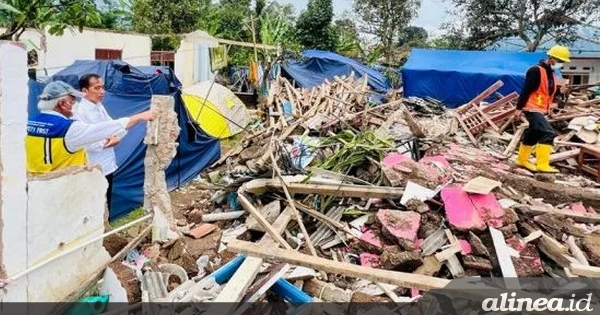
x,y
54,141
541,86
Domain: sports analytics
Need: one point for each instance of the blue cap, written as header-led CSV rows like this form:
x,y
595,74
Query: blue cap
x,y
57,89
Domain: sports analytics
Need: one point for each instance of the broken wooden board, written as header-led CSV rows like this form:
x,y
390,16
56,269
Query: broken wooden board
x,y
240,282
481,185
576,216
260,186
401,279
504,258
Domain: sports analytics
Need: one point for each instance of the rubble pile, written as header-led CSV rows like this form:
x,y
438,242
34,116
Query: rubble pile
x,y
334,197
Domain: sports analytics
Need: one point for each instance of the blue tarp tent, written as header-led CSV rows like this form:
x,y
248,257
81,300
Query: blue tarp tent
x,y
456,77
321,65
128,91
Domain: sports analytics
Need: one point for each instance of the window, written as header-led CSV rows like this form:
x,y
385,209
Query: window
x,y
108,54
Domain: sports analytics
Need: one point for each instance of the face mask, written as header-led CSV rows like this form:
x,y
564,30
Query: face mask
x,y
557,66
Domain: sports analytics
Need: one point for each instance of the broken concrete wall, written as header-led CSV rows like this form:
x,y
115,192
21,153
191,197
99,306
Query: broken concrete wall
x,y
46,216
65,211
13,186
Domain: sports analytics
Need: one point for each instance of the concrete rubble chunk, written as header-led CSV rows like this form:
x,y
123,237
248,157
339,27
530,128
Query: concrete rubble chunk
x,y
161,140
400,226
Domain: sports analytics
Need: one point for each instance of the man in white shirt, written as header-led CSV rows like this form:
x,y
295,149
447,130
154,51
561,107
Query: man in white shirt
x,y
54,141
90,110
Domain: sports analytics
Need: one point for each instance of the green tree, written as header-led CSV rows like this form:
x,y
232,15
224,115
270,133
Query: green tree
x,y
277,26
413,36
114,15
313,29
56,15
385,18
166,17
487,21
347,41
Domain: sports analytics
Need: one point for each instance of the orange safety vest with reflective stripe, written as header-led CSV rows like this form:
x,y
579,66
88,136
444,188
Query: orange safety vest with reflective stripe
x,y
540,100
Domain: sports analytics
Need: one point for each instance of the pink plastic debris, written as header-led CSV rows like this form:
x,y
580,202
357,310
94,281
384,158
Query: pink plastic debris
x,y
465,247
401,226
460,211
369,260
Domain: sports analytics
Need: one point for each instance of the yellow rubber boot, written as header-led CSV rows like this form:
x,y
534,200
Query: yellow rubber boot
x,y
523,158
543,152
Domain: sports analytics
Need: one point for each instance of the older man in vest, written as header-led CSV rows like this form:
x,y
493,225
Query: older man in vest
x,y
537,95
54,141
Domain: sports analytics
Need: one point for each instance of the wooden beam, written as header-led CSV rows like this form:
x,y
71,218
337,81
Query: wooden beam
x,y
585,271
260,186
262,221
576,216
401,279
239,283
562,156
576,251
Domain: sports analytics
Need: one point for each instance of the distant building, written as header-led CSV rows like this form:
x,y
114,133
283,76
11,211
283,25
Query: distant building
x,y
585,54
49,54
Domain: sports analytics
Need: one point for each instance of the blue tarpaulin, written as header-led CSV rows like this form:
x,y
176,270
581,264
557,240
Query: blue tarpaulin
x,y
320,65
456,77
129,91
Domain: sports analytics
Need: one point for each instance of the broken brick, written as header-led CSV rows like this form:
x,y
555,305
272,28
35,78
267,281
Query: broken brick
x,y
529,263
369,260
372,240
394,258
400,226
477,246
477,263
202,230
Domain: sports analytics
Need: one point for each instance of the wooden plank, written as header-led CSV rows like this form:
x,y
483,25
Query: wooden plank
x,y
514,142
576,216
262,221
260,186
236,287
562,156
401,279
576,251
504,258
585,271
448,252
291,203
456,268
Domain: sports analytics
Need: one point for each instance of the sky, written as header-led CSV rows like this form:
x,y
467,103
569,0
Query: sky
x,y
431,14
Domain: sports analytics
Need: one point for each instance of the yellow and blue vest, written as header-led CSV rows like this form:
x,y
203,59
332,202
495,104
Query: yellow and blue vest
x,y
45,144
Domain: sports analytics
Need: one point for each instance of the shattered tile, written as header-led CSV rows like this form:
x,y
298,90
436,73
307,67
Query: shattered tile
x,y
460,211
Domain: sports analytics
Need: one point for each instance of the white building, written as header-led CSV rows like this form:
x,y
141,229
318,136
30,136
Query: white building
x,y
54,53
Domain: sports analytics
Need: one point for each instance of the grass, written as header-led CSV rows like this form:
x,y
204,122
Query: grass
x,y
132,216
